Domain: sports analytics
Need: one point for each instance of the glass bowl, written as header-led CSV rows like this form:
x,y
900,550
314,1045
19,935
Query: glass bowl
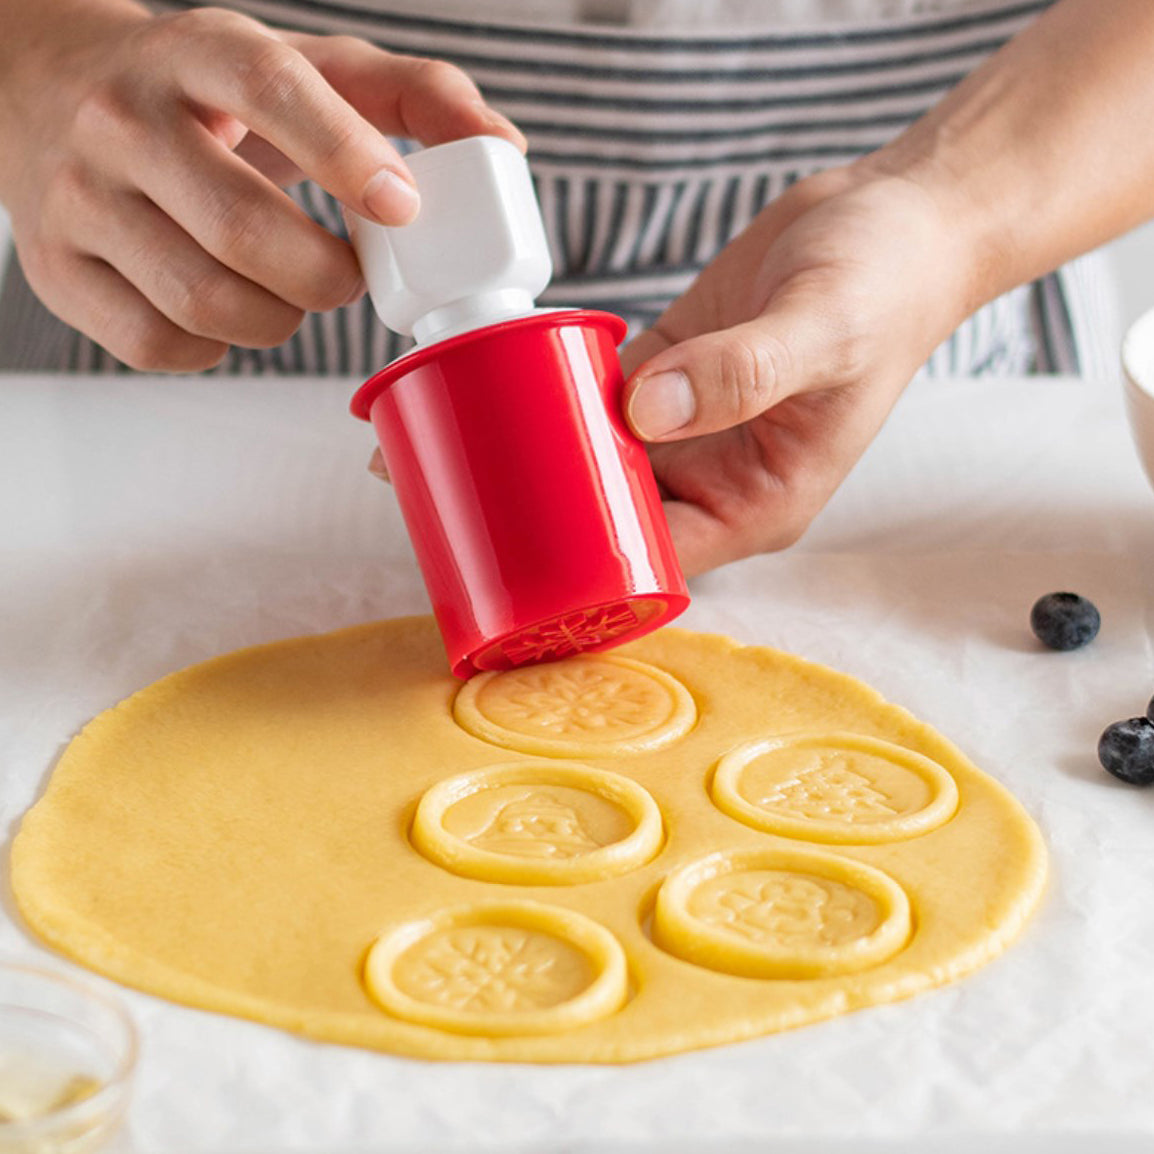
x,y
67,1056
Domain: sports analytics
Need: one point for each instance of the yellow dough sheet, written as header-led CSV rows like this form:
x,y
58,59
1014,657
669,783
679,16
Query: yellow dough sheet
x,y
679,844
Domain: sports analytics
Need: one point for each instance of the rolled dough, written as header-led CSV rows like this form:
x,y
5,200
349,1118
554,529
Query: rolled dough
x,y
679,844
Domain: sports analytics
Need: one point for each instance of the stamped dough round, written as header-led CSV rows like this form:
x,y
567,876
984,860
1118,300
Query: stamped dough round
x,y
834,787
768,913
584,706
538,823
235,836
499,969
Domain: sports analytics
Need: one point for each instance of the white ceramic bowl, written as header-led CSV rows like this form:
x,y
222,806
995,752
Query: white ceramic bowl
x,y
1138,371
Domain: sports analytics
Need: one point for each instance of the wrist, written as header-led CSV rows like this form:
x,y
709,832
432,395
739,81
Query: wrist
x,y
1039,155
947,270
980,258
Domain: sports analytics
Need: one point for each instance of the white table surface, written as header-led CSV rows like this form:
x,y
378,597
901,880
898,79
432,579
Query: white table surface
x,y
149,523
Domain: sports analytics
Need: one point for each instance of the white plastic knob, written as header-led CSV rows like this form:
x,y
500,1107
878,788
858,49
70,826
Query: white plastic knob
x,y
476,254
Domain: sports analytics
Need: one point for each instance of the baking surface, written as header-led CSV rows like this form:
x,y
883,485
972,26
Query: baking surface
x,y
152,524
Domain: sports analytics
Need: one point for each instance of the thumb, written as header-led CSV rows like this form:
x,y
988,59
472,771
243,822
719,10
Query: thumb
x,y
723,379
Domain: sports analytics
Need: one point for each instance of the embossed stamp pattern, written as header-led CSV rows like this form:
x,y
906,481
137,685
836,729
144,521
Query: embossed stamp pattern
x,y
538,823
583,706
572,633
497,969
789,913
680,844
834,787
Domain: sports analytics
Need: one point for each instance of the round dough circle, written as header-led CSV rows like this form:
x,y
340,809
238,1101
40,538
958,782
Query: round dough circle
x,y
234,836
788,913
584,706
834,787
535,835
499,969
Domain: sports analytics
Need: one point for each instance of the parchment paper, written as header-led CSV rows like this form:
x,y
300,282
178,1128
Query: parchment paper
x,y
150,524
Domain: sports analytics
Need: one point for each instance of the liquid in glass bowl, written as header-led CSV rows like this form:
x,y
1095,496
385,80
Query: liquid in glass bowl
x,y
67,1055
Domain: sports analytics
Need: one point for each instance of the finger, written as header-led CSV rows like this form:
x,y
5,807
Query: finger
x,y
702,540
641,348
94,298
726,378
757,487
243,219
268,161
722,502
186,284
233,65
427,100
378,468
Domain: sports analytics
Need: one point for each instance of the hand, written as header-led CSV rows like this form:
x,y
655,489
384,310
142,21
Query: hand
x,y
762,385
142,162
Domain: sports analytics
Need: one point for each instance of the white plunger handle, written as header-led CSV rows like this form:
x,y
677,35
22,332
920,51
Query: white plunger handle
x,y
476,253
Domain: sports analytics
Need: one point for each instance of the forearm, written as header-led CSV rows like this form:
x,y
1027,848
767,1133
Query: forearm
x,y
1046,151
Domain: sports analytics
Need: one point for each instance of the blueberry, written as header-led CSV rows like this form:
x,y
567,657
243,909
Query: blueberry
x,y
1064,620
1126,749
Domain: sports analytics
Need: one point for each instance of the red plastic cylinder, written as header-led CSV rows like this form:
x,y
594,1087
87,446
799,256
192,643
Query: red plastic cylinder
x,y
531,506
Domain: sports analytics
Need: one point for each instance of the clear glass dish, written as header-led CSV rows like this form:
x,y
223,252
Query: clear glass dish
x,y
67,1056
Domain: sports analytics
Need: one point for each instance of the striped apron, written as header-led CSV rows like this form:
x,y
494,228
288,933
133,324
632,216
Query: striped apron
x,y
657,130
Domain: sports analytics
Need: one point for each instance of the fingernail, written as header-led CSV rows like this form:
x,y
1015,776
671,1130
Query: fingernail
x,y
391,198
661,404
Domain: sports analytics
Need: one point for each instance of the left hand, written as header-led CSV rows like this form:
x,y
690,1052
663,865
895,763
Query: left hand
x,y
787,353
141,159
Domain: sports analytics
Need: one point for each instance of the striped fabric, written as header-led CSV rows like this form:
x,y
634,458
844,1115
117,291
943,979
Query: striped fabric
x,y
651,147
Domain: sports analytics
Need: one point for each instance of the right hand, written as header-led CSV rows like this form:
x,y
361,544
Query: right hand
x,y
760,387
142,161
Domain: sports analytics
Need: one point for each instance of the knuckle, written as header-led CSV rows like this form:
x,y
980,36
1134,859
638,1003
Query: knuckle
x,y
339,135
344,43
772,363
199,305
238,228
274,77
147,345
67,189
105,111
848,346
214,306
850,327
440,74
209,21
852,356
747,382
